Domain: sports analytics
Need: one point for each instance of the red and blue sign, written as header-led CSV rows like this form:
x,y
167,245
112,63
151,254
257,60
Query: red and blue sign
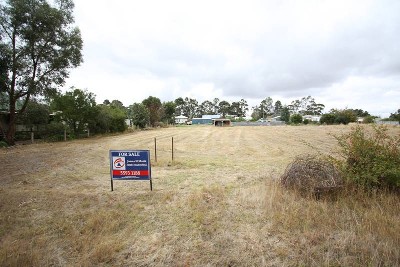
x,y
130,165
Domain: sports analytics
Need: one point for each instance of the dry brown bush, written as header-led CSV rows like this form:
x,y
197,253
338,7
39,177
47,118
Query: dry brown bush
x,y
311,174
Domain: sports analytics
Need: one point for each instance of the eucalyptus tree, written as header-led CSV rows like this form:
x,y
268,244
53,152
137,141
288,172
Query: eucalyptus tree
x,y
224,108
207,107
267,107
179,106
239,108
278,108
215,103
244,107
191,107
39,44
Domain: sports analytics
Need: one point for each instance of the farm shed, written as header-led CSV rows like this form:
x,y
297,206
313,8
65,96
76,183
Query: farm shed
x,y
222,122
201,121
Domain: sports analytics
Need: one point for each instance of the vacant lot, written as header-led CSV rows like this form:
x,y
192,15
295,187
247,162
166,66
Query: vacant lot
x,y
216,204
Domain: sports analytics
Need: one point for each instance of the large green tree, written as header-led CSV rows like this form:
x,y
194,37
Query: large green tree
x,y
169,112
278,108
38,45
77,108
179,105
109,119
285,114
206,108
188,107
139,114
224,108
239,108
154,106
395,116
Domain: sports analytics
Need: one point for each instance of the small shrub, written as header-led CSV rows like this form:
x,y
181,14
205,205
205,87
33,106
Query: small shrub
x,y
369,119
311,174
54,132
3,144
370,159
345,116
327,118
160,124
296,119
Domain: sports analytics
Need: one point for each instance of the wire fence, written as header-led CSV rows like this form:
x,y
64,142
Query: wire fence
x,y
172,148
43,136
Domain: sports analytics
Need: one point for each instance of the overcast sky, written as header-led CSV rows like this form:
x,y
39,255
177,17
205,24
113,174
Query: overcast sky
x,y
343,53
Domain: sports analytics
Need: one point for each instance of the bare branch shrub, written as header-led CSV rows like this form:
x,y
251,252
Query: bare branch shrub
x,y
310,174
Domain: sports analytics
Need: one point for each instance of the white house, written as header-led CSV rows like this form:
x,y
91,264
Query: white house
x,y
181,119
276,118
314,118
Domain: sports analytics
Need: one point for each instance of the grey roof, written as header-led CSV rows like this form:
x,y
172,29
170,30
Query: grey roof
x,y
215,116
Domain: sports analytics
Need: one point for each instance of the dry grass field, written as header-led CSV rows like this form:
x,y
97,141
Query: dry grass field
x,y
217,204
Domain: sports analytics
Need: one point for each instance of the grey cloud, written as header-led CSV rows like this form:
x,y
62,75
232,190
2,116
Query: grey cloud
x,y
270,55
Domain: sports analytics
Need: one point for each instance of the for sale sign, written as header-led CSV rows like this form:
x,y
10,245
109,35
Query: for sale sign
x,y
130,165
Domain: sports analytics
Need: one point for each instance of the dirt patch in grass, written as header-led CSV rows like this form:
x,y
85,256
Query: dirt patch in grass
x,y
218,203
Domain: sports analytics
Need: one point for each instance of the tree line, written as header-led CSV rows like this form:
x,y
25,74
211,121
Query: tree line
x,y
39,44
77,111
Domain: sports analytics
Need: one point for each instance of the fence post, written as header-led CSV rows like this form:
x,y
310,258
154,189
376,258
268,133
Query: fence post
x,y
172,148
155,149
88,132
32,137
65,134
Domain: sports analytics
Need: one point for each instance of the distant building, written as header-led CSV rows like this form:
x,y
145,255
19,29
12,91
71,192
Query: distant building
x,y
277,118
222,122
213,116
181,119
314,118
382,122
206,119
202,121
